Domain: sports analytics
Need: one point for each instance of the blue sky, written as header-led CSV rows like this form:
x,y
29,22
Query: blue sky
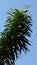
x,y
31,57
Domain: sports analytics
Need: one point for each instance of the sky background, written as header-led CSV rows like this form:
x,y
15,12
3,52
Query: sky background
x,y
31,57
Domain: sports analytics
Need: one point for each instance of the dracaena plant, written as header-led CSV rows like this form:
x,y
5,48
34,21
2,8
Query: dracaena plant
x,y
14,38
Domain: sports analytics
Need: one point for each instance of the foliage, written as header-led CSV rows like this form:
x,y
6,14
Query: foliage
x,y
14,37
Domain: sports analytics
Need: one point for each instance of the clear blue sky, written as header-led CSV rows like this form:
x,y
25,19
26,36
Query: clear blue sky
x,y
31,57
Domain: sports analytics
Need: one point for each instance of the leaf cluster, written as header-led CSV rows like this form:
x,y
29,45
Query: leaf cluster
x,y
14,37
